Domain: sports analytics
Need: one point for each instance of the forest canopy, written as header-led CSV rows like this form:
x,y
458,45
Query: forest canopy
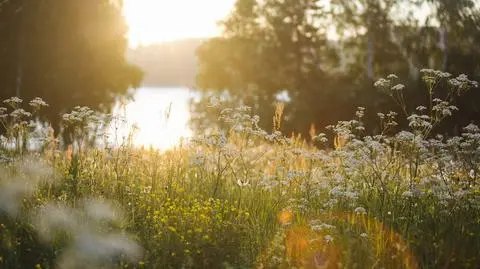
x,y
326,55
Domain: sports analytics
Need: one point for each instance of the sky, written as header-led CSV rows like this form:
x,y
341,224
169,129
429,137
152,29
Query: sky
x,y
153,21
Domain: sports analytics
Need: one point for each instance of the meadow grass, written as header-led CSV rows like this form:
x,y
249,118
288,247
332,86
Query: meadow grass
x,y
242,197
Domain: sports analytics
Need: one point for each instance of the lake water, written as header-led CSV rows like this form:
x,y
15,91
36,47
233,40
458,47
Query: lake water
x,y
160,114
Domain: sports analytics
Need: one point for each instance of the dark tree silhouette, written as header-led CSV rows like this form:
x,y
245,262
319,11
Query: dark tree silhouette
x,y
68,52
271,46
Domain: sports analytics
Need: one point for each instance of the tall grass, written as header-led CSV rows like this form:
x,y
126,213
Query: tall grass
x,y
244,197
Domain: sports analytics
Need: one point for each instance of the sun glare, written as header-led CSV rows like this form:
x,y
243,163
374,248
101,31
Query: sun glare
x,y
152,21
156,21
160,118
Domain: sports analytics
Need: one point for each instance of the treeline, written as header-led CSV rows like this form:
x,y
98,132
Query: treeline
x,y
74,52
269,47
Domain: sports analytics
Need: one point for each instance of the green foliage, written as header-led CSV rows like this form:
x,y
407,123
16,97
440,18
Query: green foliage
x,y
69,52
269,47
196,233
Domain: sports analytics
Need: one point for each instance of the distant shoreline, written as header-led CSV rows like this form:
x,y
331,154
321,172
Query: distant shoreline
x,y
172,64
149,85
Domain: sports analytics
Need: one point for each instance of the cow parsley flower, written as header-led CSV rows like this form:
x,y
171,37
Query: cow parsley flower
x,y
13,101
37,103
471,174
20,113
392,77
382,84
398,87
360,211
328,238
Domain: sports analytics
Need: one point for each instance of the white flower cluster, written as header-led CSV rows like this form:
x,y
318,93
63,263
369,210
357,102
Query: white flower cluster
x,y
419,122
20,113
435,73
80,116
38,103
442,108
318,225
462,83
13,101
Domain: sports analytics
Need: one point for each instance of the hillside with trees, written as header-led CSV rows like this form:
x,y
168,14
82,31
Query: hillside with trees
x,y
167,64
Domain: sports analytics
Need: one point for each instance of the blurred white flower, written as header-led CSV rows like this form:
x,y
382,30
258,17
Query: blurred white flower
x,y
392,77
360,211
241,183
398,87
37,103
13,101
328,238
407,194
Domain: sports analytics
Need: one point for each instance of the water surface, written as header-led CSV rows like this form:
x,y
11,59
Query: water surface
x,y
160,114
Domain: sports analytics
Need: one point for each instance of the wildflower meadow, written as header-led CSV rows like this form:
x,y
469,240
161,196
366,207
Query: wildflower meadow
x,y
243,197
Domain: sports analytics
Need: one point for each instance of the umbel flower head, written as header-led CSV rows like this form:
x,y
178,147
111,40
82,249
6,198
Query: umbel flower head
x,y
38,103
